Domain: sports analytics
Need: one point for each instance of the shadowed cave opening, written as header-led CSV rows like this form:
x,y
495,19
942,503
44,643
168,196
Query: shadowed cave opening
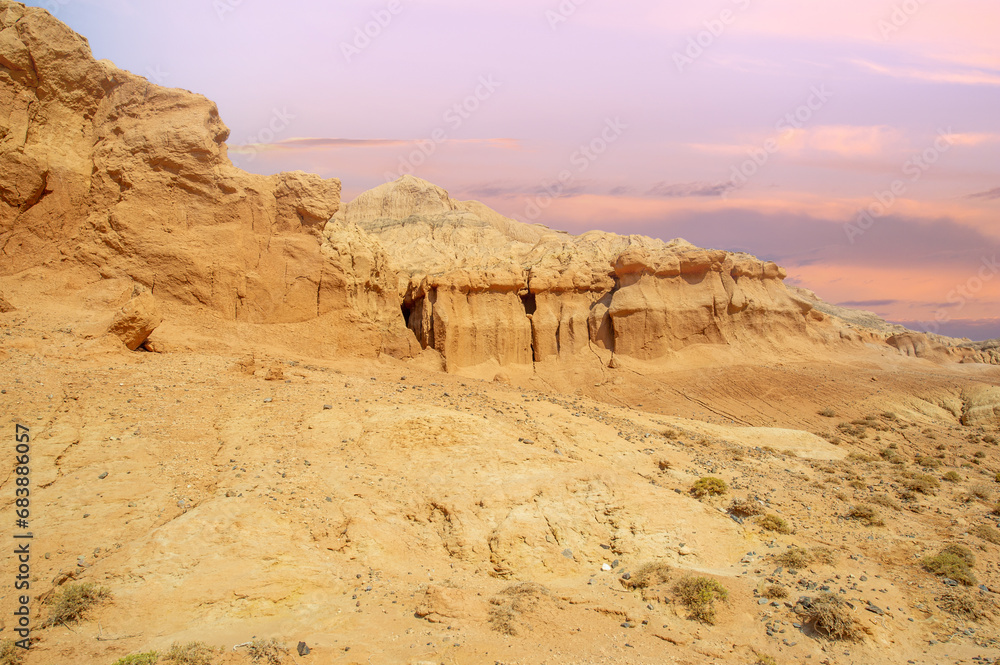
x,y
528,300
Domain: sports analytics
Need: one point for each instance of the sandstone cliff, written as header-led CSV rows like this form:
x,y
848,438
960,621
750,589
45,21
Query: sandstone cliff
x,y
101,168
481,288
104,171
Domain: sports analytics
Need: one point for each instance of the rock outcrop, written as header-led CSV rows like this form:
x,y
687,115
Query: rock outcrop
x,y
481,288
5,306
101,168
136,320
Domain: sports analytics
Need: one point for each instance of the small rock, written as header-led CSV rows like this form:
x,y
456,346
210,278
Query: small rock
x,y
103,476
326,407
302,649
605,567
568,553
268,400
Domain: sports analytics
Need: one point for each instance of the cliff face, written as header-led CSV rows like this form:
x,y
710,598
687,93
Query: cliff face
x,y
482,288
101,168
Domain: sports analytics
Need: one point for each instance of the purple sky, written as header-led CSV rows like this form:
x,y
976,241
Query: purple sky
x,y
758,125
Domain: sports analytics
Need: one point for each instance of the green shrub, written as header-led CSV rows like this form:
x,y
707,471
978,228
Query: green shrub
x,y
709,486
698,595
147,658
954,562
774,523
73,601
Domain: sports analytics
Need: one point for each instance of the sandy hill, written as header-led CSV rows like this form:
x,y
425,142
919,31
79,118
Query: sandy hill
x,y
407,429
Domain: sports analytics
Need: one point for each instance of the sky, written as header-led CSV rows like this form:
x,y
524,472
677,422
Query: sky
x,y
856,142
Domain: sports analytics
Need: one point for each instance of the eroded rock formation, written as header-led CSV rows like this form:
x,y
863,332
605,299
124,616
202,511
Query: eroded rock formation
x,y
482,288
101,168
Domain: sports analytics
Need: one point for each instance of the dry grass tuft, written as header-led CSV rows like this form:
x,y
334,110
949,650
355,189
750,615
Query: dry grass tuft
x,y
192,653
966,606
830,616
73,601
774,592
988,533
885,501
10,654
774,523
267,652
512,602
648,575
746,507
866,515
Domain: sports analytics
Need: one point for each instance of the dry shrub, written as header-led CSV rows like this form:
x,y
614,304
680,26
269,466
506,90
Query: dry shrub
x,y
775,592
648,575
512,602
73,601
828,413
796,557
192,653
966,606
866,515
885,501
664,464
982,491
698,595
774,523
267,652
922,483
987,533
830,616
952,477
746,507
10,653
